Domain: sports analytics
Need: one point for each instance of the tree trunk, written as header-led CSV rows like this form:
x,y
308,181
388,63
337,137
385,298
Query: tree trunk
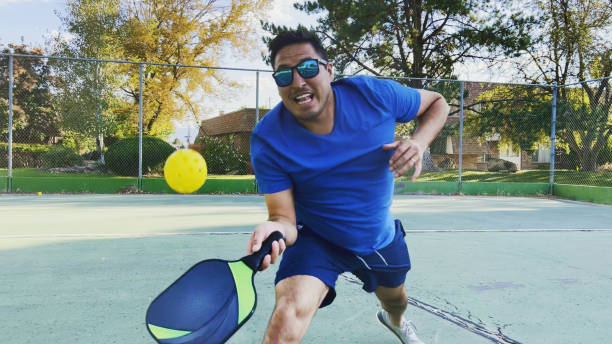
x,y
100,147
588,161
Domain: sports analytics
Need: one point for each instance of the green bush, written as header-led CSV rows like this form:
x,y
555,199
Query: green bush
x,y
221,157
24,155
605,154
61,156
122,157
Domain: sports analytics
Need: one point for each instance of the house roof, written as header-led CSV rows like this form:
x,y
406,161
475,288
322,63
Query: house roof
x,y
239,121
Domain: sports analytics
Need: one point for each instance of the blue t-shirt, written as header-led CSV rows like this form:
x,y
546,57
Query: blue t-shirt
x,y
341,181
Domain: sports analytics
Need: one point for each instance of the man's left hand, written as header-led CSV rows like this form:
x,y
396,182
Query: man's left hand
x,y
408,154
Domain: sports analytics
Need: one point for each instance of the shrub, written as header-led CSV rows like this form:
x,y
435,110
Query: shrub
x,y
605,154
122,157
61,156
91,155
24,155
221,157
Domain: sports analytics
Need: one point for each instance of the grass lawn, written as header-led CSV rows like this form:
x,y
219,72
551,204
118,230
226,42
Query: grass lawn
x,y
35,172
525,176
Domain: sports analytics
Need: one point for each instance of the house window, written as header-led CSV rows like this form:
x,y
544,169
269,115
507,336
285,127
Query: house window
x,y
509,152
484,158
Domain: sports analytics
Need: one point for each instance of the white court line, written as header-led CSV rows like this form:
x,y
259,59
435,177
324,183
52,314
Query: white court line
x,y
145,235
111,235
517,230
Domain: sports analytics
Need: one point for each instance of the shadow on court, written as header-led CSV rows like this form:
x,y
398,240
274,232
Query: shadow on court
x,y
64,281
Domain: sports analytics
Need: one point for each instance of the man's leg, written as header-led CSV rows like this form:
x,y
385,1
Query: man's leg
x,y
394,301
297,300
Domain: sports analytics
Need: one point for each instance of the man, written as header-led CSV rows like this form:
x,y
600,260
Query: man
x,y
326,159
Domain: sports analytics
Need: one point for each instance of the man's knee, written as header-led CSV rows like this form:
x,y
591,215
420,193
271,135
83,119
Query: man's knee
x,y
297,300
393,297
294,307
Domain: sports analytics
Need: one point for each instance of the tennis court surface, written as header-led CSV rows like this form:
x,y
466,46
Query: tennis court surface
x,y
83,268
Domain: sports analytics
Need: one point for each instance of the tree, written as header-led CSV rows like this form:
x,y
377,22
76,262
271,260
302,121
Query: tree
x,y
415,38
84,89
575,45
586,125
182,32
34,117
519,115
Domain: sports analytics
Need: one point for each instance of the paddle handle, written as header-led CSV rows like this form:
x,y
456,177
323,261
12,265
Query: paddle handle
x,y
254,260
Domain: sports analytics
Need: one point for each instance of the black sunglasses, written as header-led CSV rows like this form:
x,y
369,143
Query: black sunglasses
x,y
306,69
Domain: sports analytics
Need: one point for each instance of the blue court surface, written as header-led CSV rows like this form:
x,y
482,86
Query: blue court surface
x,y
83,268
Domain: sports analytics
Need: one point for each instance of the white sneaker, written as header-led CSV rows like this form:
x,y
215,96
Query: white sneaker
x,y
406,333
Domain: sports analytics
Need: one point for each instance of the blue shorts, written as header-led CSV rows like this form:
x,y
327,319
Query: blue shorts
x,y
314,256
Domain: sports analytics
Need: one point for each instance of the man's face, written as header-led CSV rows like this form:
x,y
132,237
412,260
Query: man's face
x,y
305,98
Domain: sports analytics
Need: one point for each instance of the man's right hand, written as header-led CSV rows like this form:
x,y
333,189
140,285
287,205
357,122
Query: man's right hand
x,y
260,234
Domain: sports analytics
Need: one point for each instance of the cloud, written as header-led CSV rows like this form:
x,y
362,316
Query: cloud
x,y
10,2
54,34
283,13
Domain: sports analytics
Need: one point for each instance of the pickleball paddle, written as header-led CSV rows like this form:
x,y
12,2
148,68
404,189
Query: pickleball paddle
x,y
209,302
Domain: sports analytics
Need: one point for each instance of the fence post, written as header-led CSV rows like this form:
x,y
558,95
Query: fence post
x,y
256,117
9,186
553,131
256,97
461,88
140,126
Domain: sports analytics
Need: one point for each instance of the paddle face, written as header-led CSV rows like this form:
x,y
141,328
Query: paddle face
x,y
205,305
209,302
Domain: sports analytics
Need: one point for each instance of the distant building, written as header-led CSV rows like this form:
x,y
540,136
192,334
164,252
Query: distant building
x,y
233,127
476,153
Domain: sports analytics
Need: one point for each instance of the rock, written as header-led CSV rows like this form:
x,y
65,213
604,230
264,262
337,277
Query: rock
x,y
447,163
500,165
428,164
130,189
89,167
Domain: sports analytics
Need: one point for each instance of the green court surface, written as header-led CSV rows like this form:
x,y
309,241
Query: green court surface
x,y
83,268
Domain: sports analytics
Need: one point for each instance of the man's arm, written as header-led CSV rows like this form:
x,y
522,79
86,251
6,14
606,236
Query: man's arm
x,y
281,217
431,116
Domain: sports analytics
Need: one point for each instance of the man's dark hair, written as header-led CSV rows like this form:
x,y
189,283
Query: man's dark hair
x,y
285,38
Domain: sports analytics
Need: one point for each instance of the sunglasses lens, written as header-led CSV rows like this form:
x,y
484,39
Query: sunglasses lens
x,y
283,77
308,68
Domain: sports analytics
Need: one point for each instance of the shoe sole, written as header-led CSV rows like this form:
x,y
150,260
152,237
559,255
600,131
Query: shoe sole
x,y
399,339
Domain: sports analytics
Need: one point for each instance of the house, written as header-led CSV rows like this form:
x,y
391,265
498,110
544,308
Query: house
x,y
234,127
476,153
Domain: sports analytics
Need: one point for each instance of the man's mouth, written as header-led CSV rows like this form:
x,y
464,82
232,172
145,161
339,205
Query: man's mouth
x,y
304,98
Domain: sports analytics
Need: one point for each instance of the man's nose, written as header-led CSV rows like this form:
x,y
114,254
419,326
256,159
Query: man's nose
x,y
297,78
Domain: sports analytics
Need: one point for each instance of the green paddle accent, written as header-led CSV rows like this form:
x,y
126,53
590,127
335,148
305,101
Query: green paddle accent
x,y
243,276
166,333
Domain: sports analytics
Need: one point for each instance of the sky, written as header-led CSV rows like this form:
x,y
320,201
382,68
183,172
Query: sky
x,y
34,21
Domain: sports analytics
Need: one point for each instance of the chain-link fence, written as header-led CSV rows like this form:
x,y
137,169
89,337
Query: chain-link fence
x,y
584,133
99,118
107,119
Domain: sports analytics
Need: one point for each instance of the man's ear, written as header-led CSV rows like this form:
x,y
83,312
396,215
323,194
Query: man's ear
x,y
330,70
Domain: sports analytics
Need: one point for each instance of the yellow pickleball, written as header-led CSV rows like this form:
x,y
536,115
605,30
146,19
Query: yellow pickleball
x,y
185,171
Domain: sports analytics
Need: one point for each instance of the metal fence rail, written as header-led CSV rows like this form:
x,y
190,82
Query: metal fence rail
x,y
63,115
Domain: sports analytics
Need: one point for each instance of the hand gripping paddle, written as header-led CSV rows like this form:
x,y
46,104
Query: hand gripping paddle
x,y
209,302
